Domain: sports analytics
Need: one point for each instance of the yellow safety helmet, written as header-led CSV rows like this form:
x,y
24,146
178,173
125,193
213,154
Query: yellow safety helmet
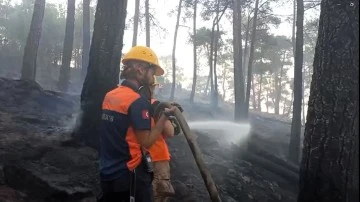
x,y
144,54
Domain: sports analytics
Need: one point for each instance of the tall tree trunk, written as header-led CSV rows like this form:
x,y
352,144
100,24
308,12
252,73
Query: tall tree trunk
x,y
86,37
291,104
294,146
147,23
253,94
260,90
64,77
284,107
303,97
192,95
211,62
276,90
213,38
207,83
293,27
218,17
280,82
251,58
74,55
223,82
102,74
330,162
294,48
278,86
208,78
245,54
238,69
28,71
173,52
136,23
216,91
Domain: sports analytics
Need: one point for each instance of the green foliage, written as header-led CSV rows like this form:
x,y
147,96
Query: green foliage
x,y
269,55
203,38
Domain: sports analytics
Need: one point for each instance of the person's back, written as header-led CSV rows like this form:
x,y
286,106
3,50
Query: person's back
x,y
120,150
120,153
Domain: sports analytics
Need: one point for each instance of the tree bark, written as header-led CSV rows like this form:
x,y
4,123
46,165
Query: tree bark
x,y
207,82
102,75
303,98
213,53
251,58
276,91
330,161
223,82
293,27
174,51
294,146
147,23
64,77
260,90
238,69
290,104
192,95
245,54
86,37
211,62
28,71
136,22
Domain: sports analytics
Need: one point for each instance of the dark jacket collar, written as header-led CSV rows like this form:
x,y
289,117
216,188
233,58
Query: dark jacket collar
x,y
130,85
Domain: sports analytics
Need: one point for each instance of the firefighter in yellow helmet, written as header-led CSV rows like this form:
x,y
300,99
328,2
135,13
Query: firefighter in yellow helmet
x,y
126,131
143,55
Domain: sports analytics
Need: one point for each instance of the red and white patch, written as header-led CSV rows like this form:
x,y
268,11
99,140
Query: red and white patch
x,y
145,114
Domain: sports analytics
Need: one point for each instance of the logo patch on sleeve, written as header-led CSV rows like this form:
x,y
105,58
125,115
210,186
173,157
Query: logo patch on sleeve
x,y
145,114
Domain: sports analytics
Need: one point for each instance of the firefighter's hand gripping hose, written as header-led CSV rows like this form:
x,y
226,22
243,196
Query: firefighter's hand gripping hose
x,y
157,109
180,120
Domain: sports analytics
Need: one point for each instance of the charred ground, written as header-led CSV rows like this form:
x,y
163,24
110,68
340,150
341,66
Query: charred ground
x,y
36,165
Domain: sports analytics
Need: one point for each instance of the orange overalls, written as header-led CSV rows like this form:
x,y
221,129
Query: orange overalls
x,y
160,156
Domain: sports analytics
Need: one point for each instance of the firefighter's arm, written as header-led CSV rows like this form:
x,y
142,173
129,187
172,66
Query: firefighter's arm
x,y
168,129
141,122
147,138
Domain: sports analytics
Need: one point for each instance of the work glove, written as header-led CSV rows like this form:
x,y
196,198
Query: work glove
x,y
157,108
176,125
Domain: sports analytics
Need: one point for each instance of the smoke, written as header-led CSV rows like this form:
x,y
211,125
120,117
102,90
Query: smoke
x,y
73,123
224,131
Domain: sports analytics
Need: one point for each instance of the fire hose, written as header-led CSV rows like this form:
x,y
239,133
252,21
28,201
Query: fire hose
x,y
195,150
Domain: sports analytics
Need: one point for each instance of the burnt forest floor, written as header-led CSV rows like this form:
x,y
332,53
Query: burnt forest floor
x,y
35,165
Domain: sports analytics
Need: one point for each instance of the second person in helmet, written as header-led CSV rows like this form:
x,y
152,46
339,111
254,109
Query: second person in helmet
x,y
159,152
